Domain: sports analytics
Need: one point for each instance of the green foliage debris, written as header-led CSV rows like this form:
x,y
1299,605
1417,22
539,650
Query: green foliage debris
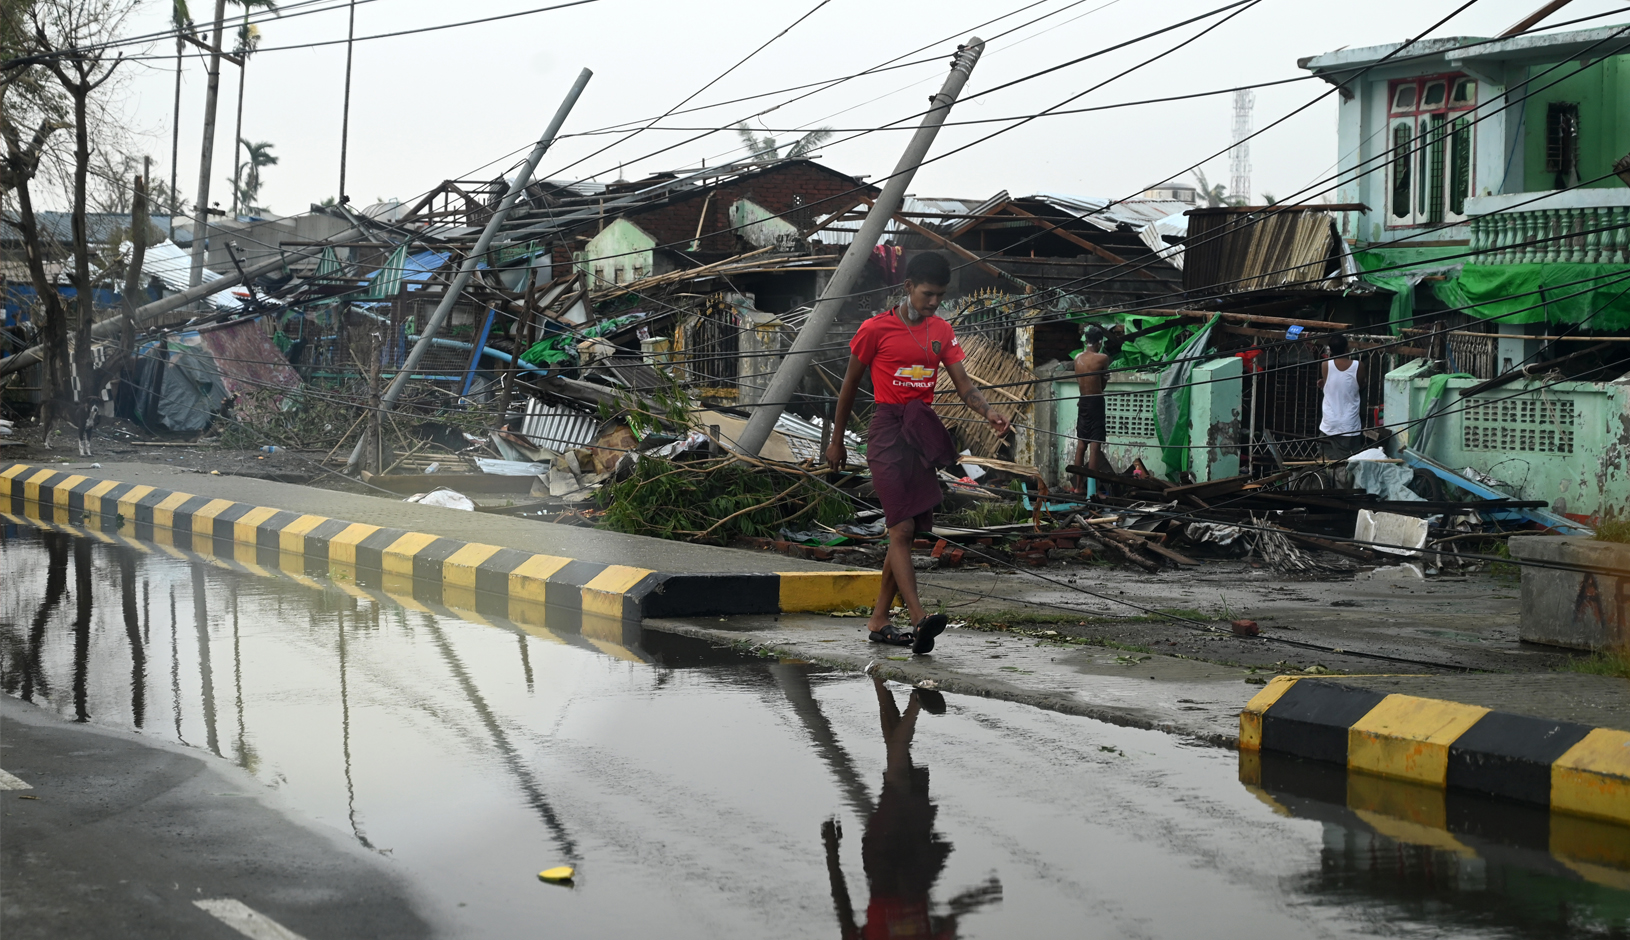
x,y
716,501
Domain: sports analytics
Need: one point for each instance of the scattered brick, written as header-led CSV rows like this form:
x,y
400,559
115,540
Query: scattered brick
x,y
1245,628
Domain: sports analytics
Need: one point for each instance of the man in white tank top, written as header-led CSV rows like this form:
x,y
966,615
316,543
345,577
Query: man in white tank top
x,y
1341,378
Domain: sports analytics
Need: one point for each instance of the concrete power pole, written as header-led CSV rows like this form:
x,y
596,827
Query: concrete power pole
x,y
1239,159
797,361
475,257
207,155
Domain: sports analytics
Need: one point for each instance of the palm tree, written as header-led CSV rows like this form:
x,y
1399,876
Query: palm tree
x,y
248,42
1214,195
247,191
809,143
766,150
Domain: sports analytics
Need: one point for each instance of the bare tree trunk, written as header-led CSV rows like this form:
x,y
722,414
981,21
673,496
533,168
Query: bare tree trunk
x,y
138,256
22,161
84,291
53,318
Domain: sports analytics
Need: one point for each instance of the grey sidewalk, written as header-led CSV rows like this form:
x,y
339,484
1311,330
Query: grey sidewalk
x,y
527,535
1163,693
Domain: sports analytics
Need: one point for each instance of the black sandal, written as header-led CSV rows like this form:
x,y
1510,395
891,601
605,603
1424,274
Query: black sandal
x,y
932,626
891,635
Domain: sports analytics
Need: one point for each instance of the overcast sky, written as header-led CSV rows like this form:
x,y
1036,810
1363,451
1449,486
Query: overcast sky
x,y
469,101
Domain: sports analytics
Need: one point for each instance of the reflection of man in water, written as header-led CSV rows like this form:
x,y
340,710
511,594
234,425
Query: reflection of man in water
x,y
902,853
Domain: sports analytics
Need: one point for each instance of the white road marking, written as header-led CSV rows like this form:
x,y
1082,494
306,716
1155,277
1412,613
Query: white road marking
x,y
246,920
8,782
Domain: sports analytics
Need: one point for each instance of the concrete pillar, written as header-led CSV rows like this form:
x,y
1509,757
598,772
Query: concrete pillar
x,y
1214,418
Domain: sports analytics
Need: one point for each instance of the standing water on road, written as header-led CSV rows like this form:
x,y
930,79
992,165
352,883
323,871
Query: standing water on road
x,y
699,793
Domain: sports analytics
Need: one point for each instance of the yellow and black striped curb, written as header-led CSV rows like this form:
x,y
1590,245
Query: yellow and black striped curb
x,y
615,637
430,566
1469,825
1562,765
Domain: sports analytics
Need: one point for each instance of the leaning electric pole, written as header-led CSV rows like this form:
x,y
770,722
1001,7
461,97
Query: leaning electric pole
x,y
476,257
797,361
211,97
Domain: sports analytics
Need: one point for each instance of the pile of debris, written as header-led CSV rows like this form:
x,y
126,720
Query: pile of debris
x,y
1303,520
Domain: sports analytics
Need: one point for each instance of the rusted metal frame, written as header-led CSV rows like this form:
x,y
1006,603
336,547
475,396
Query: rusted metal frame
x,y
1075,239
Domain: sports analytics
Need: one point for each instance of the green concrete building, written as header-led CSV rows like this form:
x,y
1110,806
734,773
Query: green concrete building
x,y
1493,209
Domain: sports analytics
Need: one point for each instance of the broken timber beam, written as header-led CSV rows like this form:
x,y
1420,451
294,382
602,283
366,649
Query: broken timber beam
x,y
955,249
1077,240
1137,483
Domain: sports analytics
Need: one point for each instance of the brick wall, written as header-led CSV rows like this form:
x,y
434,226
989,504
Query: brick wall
x,y
776,189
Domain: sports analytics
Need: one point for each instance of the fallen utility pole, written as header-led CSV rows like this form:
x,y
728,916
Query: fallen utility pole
x,y
212,96
476,255
158,308
798,359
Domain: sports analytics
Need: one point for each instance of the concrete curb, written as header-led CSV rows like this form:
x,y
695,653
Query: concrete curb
x,y
417,565
619,639
1471,825
1564,766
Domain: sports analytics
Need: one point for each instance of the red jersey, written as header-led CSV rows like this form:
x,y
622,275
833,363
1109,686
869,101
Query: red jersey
x,y
905,360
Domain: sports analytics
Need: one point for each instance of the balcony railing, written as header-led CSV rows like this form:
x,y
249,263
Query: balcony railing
x,y
1582,226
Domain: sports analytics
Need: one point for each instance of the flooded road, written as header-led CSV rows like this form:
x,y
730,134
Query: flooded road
x,y
703,794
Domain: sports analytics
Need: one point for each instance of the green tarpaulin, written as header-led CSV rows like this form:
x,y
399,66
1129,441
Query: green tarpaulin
x,y
1556,293
1561,294
1172,396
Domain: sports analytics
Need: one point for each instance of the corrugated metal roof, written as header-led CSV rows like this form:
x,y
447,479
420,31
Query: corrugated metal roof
x,y
1134,212
173,267
558,428
403,269
1103,213
101,227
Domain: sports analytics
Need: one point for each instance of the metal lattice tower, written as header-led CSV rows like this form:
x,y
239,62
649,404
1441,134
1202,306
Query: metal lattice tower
x,y
1239,159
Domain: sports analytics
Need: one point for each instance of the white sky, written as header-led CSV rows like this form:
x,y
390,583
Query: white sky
x,y
470,100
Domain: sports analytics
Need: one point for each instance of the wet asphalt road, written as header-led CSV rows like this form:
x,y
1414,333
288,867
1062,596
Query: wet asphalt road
x,y
412,773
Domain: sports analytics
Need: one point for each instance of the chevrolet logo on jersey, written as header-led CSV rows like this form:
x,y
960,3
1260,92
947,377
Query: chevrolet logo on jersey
x,y
916,373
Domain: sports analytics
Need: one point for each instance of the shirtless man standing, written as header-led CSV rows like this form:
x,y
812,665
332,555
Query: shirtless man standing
x,y
1091,372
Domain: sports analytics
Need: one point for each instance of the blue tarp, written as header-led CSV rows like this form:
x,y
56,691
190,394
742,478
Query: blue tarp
x,y
20,297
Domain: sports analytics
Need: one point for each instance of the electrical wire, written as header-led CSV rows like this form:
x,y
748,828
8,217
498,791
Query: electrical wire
x,y
62,53
1387,158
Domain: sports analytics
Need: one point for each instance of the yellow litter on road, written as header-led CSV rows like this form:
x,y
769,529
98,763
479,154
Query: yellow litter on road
x,y
557,876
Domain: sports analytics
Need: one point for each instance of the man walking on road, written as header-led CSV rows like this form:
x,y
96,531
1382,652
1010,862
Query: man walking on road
x,y
1090,423
906,444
